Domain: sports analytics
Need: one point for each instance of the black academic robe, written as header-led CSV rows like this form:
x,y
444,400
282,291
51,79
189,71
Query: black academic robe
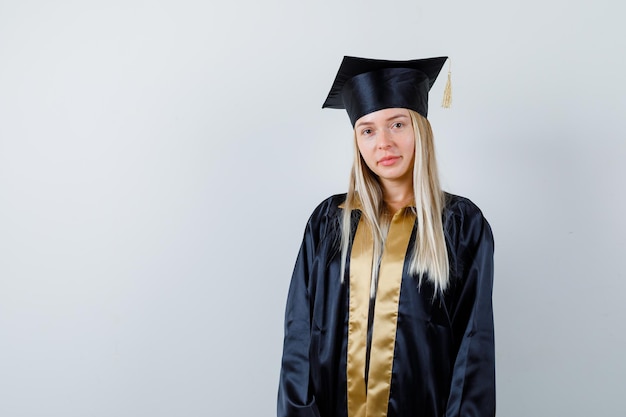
x,y
444,361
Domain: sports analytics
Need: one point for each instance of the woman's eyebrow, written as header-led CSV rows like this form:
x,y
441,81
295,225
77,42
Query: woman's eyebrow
x,y
364,123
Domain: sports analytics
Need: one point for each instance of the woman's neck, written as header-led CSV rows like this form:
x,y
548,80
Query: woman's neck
x,y
397,196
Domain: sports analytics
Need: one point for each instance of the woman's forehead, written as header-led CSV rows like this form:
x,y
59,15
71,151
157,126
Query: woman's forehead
x,y
383,115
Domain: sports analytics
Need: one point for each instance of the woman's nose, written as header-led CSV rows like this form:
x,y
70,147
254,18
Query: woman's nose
x,y
384,141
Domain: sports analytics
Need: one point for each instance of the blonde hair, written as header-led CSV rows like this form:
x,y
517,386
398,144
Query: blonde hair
x,y
430,257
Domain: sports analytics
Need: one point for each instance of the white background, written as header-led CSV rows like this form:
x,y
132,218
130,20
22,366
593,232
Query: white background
x,y
159,159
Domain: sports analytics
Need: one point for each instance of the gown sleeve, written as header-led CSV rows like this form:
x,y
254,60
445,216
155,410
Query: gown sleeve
x,y
472,391
295,394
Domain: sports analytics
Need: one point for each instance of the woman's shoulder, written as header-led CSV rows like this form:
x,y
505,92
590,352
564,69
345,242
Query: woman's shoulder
x,y
463,220
326,217
456,205
330,206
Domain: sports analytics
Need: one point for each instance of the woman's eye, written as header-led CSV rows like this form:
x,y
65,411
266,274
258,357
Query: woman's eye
x,y
398,125
366,131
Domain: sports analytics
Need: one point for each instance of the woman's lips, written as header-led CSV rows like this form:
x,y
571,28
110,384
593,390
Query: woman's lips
x,y
388,160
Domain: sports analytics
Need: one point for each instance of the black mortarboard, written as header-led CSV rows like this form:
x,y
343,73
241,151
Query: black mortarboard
x,y
363,86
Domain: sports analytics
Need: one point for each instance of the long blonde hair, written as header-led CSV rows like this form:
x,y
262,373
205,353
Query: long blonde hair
x,y
430,257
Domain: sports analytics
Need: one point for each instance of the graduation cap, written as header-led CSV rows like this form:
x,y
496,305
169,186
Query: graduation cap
x,y
363,85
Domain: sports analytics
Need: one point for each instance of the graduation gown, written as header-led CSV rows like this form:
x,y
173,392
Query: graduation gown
x,y
443,353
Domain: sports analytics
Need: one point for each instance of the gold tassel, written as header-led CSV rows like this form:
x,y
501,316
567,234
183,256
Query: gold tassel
x,y
447,92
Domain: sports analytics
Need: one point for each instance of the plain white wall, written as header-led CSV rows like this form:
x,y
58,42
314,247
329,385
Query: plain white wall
x,y
158,162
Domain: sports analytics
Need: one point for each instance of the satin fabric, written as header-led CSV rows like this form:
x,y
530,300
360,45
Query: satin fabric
x,y
361,260
384,89
384,319
444,361
364,85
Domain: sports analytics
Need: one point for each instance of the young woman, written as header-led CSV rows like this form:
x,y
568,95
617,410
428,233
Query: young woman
x,y
389,310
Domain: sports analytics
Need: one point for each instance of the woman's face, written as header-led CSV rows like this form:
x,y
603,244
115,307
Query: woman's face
x,y
386,141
